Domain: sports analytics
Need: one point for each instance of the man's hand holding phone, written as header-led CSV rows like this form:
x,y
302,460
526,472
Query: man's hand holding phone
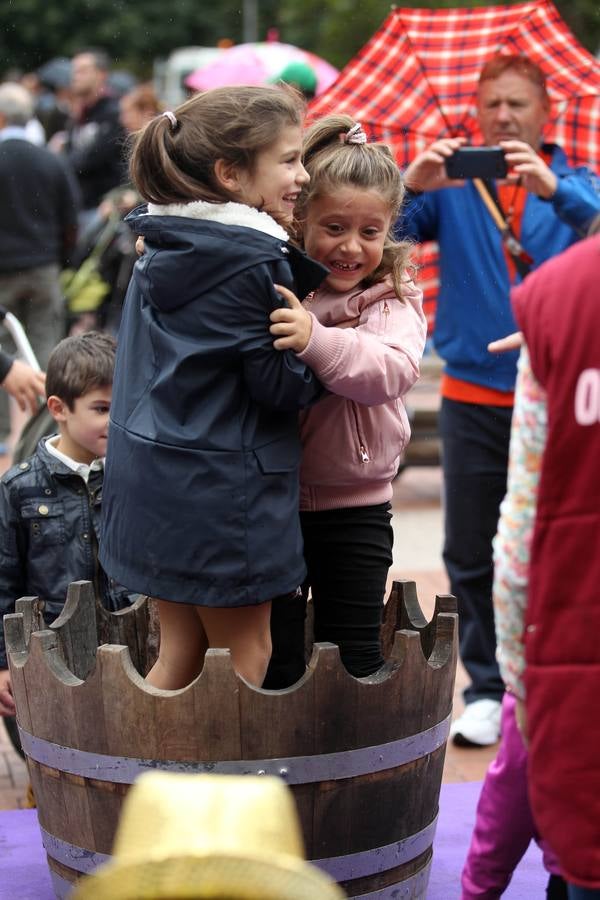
x,y
530,168
448,162
427,171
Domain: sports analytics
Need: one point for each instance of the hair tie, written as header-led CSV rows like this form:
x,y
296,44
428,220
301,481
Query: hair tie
x,y
172,119
356,135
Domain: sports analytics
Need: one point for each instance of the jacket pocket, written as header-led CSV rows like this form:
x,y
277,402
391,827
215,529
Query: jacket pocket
x,y
361,441
278,456
46,520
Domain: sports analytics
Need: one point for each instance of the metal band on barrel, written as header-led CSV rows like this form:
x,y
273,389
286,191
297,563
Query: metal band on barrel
x,y
63,889
340,868
71,855
293,769
414,887
378,859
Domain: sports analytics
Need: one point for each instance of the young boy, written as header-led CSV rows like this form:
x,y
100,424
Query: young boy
x,y
50,503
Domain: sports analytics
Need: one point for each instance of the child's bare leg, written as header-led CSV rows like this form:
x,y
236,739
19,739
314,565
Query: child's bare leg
x,y
183,644
245,630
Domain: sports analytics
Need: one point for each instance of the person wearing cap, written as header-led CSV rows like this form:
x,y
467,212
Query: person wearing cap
x,y
299,75
52,102
208,836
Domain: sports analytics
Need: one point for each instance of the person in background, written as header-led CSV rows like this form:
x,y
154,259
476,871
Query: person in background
x,y
52,102
50,502
94,138
34,129
108,230
547,555
549,205
38,228
299,75
138,106
504,825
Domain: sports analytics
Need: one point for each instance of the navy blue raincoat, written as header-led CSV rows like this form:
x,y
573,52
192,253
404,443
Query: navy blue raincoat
x,y
200,498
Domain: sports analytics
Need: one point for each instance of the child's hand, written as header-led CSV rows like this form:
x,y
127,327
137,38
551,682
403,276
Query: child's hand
x,y
512,341
7,704
292,323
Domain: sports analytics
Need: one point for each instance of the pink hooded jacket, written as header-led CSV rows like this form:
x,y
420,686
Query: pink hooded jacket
x,y
353,438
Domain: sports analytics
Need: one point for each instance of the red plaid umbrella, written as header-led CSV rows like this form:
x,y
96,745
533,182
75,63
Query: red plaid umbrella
x,y
416,78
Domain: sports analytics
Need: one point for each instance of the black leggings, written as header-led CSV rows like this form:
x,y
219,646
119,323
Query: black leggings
x,y
348,554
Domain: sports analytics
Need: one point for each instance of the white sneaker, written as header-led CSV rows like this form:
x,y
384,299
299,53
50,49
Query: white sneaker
x,y
478,726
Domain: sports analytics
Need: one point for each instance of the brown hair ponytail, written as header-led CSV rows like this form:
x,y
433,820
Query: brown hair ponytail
x,y
175,164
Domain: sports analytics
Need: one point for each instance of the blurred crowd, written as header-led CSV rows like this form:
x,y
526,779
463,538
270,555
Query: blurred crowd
x,y
68,252
82,111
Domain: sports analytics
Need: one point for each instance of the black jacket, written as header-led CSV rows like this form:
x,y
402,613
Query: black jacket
x,y
49,531
38,209
201,486
96,151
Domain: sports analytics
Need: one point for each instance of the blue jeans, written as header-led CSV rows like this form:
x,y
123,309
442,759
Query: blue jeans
x,y
475,442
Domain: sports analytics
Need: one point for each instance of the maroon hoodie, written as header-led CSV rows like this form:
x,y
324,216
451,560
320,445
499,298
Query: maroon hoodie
x,y
558,309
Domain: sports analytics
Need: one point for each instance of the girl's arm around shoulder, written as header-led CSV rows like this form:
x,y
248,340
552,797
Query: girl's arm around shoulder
x,y
378,360
275,380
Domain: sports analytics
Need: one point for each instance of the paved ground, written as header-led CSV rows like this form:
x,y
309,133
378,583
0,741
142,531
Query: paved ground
x,y
418,539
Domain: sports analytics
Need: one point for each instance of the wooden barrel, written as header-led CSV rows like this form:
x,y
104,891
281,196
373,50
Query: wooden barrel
x,y
363,757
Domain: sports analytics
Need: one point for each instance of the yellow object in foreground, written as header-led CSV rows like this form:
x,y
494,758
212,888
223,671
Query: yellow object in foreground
x,y
208,836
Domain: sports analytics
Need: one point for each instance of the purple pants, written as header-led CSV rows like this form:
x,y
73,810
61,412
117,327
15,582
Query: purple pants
x,y
504,823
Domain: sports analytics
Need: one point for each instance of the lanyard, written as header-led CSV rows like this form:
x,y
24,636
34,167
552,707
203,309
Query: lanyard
x,y
518,260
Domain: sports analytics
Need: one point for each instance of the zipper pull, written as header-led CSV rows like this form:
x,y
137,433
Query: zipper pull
x,y
386,309
364,455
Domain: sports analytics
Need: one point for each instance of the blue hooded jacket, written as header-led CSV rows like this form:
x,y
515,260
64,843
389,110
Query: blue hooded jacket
x,y
200,497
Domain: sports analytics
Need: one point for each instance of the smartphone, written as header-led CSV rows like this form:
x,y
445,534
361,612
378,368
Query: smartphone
x,y
477,162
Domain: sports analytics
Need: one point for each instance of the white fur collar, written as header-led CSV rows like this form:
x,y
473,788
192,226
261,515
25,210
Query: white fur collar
x,y
225,213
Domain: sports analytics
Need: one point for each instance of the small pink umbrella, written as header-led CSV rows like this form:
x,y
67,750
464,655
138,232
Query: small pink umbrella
x,y
258,63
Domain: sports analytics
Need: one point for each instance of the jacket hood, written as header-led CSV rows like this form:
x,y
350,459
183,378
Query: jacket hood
x,y
200,246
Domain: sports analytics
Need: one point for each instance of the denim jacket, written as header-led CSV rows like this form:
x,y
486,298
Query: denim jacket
x,y
49,534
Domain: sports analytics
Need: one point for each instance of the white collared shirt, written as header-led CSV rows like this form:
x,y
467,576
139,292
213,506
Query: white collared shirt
x,y
82,469
33,133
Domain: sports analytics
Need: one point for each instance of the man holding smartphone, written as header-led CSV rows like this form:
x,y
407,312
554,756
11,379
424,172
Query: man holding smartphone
x,y
548,206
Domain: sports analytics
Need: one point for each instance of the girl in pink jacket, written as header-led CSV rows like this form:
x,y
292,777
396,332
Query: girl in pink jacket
x,y
363,333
